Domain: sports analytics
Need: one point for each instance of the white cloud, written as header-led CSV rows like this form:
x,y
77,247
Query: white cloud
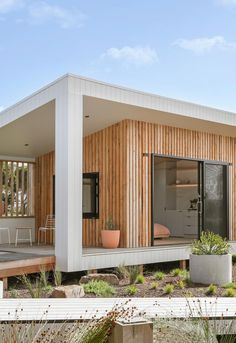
x,y
10,5
1,108
41,11
204,45
138,55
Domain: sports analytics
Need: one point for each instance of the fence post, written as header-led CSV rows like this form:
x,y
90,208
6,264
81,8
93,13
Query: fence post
x,y
135,331
1,289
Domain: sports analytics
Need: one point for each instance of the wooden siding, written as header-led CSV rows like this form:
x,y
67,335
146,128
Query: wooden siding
x,y
122,156
105,152
45,169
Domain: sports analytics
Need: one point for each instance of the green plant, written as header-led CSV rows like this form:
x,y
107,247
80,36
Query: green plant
x,y
99,288
230,292
230,285
131,290
154,285
180,284
168,289
134,271
210,244
179,272
211,290
44,278
187,279
110,225
140,279
122,271
188,294
13,293
57,277
35,289
159,275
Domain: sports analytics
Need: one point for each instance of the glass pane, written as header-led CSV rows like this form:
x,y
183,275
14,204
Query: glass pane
x,y
215,201
89,188
175,200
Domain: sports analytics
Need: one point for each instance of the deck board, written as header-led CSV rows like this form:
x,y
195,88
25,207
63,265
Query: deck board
x,y
25,260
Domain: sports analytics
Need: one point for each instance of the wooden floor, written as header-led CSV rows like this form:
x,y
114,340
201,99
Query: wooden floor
x,y
25,259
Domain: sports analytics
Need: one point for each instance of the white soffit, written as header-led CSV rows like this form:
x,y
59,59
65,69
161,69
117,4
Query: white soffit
x,y
99,113
37,129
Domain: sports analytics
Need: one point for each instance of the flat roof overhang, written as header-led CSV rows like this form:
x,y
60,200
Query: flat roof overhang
x,y
100,113
32,120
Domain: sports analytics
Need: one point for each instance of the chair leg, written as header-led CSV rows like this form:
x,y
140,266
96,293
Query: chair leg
x,y
16,238
30,235
9,238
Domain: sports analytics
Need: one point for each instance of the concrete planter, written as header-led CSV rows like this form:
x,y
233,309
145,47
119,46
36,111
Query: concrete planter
x,y
207,269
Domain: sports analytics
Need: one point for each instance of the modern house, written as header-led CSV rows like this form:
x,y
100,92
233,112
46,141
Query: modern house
x,y
84,150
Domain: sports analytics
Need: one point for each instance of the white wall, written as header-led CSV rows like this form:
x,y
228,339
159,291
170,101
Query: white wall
x,y
12,224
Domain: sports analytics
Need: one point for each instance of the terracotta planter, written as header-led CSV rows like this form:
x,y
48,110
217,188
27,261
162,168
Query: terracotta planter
x,y
110,238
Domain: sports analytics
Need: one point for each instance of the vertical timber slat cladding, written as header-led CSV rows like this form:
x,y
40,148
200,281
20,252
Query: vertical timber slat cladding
x,y
105,152
121,154
45,169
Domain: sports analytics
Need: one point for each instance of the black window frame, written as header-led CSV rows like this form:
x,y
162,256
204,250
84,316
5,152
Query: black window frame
x,y
93,176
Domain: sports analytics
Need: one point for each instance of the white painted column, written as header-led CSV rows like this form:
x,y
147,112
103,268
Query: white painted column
x,y
1,289
69,139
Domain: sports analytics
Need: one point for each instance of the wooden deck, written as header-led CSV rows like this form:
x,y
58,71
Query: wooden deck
x,y
25,260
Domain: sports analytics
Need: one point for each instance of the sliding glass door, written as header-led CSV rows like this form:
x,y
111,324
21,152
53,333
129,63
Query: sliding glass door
x,y
213,198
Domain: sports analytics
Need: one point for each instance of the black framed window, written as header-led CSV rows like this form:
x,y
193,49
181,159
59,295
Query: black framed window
x,y
90,195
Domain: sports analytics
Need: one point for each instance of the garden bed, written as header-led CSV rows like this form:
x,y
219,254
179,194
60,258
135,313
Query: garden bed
x,y
171,283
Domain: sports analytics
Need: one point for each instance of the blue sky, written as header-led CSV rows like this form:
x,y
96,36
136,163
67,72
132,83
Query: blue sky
x,y
184,49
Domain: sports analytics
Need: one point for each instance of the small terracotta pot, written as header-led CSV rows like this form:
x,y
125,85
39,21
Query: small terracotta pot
x,y
110,238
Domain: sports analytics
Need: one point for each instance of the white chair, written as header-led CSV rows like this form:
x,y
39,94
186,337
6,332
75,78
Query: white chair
x,y
49,226
20,230
8,233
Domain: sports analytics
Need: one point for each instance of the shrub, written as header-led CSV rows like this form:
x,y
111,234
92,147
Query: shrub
x,y
188,294
38,287
210,244
230,292
159,275
168,289
179,272
187,279
211,290
122,272
180,284
230,285
133,273
57,277
140,279
99,288
154,285
131,290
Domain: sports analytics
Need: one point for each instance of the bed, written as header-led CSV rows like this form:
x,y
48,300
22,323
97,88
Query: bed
x,y
161,231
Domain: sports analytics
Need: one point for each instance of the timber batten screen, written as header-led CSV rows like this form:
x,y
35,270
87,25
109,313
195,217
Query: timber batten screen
x,y
16,189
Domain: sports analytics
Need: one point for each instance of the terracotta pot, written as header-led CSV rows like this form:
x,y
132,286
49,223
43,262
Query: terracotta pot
x,y
110,238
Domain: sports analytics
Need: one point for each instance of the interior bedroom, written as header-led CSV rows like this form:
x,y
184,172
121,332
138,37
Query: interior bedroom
x,y
175,201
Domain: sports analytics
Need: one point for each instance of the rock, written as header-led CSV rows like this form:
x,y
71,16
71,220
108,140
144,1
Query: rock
x,y
112,279
71,291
